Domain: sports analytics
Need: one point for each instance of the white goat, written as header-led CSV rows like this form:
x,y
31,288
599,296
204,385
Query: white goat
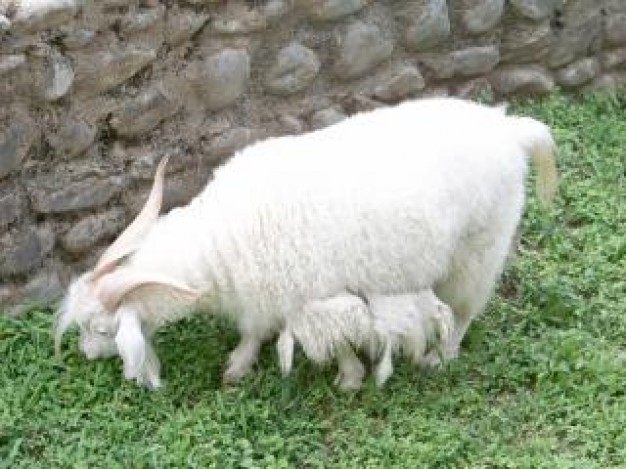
x,y
427,193
382,325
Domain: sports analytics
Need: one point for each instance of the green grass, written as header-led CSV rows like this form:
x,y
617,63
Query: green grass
x,y
540,383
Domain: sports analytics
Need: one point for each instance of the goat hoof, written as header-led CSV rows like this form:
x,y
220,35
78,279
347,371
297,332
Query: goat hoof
x,y
233,375
347,383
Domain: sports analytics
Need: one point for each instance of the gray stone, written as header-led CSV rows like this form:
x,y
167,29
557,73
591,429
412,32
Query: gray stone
x,y
275,9
527,80
616,29
609,82
142,19
44,288
363,47
535,9
5,24
36,15
483,16
325,10
291,124
11,62
325,117
230,141
60,78
478,89
465,63
101,71
181,25
8,293
85,194
143,113
615,58
72,138
24,250
78,38
523,43
399,84
475,60
221,78
578,73
580,36
238,19
430,28
92,230
10,208
295,68
14,145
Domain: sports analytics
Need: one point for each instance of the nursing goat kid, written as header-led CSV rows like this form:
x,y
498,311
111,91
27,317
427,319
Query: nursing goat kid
x,y
397,200
381,325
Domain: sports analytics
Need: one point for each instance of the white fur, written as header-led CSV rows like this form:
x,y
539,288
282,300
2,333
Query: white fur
x,y
383,325
427,193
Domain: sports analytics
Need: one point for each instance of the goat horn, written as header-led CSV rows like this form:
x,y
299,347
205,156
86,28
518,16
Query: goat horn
x,y
112,287
130,238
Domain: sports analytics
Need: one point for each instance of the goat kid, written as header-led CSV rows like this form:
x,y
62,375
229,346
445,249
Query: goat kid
x,y
411,324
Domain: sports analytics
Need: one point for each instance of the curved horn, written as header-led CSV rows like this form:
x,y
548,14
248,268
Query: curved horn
x,y
130,238
112,287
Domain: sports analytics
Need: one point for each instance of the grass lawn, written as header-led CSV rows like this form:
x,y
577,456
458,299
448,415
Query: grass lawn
x,y
540,382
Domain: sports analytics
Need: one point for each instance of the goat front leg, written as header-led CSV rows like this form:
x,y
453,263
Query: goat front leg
x,y
351,370
242,359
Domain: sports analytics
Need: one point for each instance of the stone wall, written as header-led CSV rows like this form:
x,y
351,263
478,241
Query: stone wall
x,y
94,92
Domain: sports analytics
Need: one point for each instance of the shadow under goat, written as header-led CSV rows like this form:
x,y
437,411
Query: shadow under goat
x,y
411,324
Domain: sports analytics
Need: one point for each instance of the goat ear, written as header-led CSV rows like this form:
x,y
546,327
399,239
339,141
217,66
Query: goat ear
x,y
131,343
112,287
130,238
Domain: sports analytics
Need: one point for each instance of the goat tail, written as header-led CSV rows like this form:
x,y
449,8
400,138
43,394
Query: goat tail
x,y
536,138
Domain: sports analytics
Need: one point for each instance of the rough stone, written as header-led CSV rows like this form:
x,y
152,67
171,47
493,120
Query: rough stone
x,y
142,19
399,84
614,59
92,230
221,78
37,15
43,289
78,39
580,36
325,10
14,145
363,48
532,80
72,138
484,16
85,194
143,113
10,208
578,73
523,43
295,68
430,28
101,71
238,19
229,142
475,60
5,24
60,78
464,63
535,9
608,82
11,62
616,29
24,250
291,124
325,117
478,89
181,25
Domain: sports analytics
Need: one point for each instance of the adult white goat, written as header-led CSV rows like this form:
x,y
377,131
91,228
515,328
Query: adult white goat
x,y
383,325
397,200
